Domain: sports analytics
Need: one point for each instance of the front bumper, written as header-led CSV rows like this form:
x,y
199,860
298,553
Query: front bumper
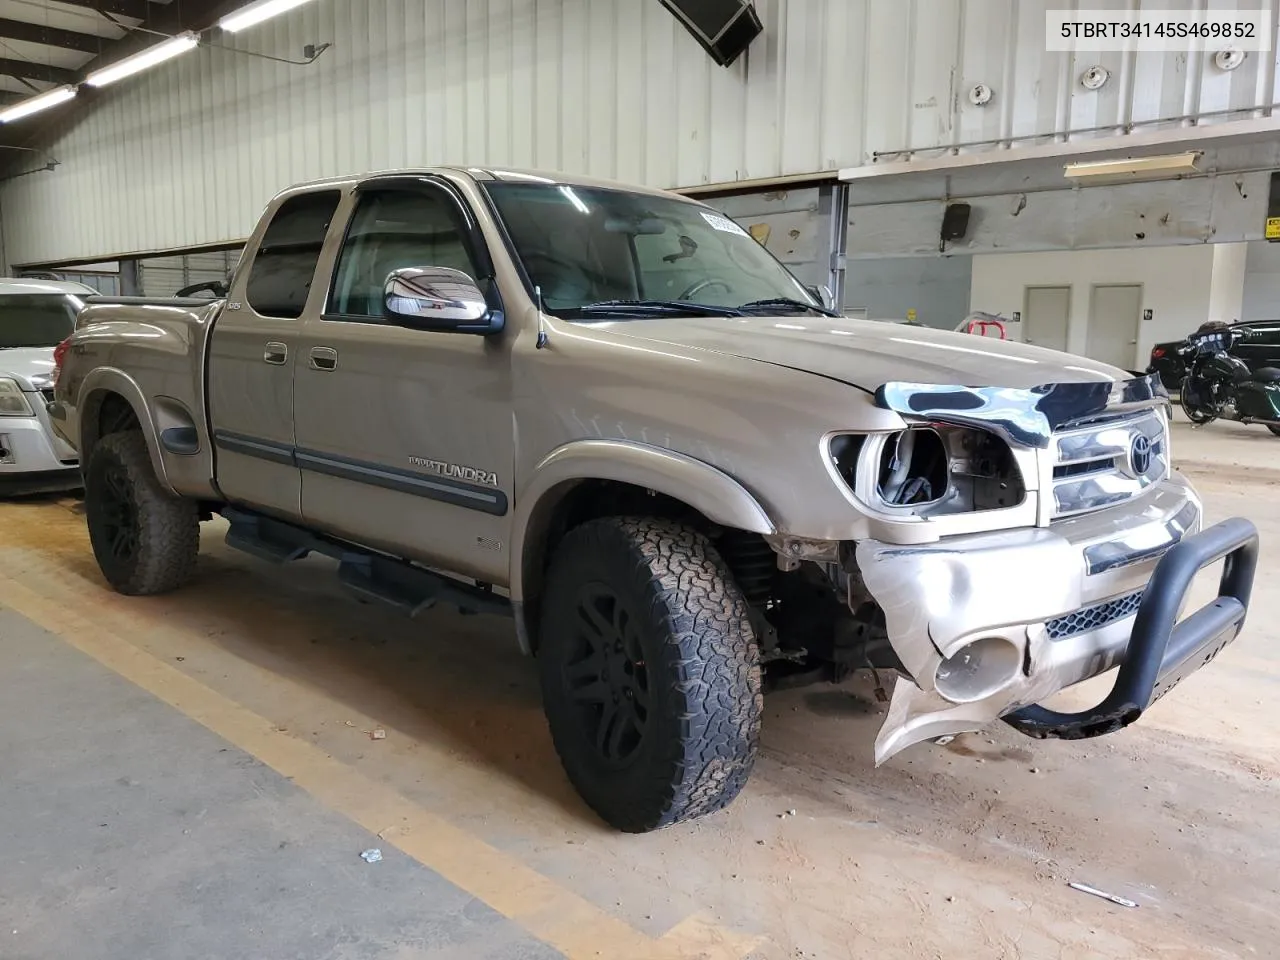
x,y
1074,599
30,453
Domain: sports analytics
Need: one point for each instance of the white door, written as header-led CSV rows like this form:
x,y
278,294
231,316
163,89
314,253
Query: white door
x,y
1114,313
1044,316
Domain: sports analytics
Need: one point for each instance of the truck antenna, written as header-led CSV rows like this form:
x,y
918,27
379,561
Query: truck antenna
x,y
542,328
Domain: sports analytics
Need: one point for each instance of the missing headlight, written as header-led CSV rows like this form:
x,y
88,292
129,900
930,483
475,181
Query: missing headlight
x,y
913,468
844,456
930,470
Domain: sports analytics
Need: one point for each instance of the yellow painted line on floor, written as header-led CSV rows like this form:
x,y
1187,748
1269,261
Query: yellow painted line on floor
x,y
557,916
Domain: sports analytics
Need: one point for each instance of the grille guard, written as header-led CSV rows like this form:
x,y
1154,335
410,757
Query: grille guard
x,y
1162,651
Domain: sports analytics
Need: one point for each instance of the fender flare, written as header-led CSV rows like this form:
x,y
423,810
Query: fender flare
x,y
114,380
709,490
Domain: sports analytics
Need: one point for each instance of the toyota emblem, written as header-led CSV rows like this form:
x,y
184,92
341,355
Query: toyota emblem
x,y
1140,455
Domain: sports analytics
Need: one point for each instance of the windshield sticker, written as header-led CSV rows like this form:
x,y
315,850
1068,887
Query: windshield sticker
x,y
723,224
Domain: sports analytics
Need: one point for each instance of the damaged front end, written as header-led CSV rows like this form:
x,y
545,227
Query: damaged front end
x,y
997,574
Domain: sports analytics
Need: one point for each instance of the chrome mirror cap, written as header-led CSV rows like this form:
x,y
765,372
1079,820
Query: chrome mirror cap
x,y
433,297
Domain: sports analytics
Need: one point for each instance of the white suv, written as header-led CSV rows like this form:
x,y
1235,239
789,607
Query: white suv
x,y
35,316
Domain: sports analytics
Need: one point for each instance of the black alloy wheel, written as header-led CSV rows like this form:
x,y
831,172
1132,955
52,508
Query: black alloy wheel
x,y
115,513
144,538
607,677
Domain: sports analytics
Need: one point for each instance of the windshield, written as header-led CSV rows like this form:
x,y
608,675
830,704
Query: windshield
x,y
585,245
36,319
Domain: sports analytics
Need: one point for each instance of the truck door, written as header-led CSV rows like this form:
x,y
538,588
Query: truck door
x,y
404,436
253,352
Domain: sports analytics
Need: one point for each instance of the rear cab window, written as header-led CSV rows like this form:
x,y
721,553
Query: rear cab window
x,y
285,265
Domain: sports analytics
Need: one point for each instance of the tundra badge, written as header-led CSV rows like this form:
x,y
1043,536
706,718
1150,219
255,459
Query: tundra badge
x,y
456,471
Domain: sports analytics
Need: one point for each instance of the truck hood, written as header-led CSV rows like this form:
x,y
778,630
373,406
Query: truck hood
x,y
868,354
26,364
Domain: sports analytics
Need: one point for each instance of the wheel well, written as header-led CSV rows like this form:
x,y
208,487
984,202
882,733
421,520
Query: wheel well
x,y
105,412
575,502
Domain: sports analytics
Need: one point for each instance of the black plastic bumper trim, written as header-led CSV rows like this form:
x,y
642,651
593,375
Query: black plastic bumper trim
x,y
1162,652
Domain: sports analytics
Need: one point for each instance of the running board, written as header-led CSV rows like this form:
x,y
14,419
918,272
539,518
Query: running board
x,y
366,573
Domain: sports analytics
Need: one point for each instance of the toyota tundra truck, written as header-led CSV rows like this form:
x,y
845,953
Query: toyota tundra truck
x,y
611,415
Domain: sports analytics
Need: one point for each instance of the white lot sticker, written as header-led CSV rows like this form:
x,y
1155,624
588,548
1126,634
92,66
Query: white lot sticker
x,y
723,224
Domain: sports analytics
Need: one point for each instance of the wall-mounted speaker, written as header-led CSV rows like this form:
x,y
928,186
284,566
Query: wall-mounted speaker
x,y
724,27
955,222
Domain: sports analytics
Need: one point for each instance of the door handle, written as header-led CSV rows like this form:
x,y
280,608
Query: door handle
x,y
275,352
324,358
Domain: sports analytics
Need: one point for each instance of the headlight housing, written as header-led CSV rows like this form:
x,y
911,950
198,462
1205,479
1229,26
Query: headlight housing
x,y
929,470
13,402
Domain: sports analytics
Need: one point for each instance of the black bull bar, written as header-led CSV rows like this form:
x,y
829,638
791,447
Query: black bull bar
x,y
1162,650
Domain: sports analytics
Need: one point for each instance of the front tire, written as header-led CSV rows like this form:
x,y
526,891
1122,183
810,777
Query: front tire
x,y
1196,413
144,538
650,672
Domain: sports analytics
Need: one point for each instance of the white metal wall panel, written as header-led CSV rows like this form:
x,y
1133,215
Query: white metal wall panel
x,y
1224,209
187,153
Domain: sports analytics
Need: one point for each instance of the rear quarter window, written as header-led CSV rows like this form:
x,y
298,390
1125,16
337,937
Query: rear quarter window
x,y
285,265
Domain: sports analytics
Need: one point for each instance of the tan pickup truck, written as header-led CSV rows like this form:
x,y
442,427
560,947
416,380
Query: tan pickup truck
x,y
610,414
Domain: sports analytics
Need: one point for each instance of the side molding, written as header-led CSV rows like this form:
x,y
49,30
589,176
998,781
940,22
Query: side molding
x,y
713,493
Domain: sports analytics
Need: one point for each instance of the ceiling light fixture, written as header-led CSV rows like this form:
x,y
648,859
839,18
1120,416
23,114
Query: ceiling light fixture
x,y
43,101
144,60
255,13
1135,168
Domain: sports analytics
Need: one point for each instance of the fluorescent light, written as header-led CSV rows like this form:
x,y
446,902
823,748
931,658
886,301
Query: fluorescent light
x,y
24,108
255,13
1135,168
144,60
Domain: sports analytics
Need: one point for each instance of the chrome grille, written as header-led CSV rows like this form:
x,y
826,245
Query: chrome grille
x,y
1091,618
1107,463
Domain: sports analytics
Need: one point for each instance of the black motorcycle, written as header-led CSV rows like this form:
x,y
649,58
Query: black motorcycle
x,y
1219,385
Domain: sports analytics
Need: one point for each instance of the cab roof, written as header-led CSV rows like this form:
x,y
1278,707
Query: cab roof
x,y
503,174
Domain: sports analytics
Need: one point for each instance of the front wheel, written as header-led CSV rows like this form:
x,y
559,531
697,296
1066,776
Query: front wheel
x,y
1198,410
145,539
650,672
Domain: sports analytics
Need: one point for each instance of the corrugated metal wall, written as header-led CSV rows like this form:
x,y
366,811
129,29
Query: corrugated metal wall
x,y
187,153
165,276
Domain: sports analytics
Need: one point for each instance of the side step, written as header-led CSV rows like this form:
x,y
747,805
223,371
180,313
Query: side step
x,y
253,534
403,585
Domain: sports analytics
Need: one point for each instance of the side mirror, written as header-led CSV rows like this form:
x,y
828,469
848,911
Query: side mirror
x,y
437,298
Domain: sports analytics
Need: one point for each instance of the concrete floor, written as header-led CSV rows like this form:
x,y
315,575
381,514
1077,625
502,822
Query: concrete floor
x,y
129,830
240,710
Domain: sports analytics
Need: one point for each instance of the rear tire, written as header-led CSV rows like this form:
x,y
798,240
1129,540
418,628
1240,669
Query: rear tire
x,y
144,538
650,672
1275,431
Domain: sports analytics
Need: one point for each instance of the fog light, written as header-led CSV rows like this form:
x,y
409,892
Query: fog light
x,y
978,669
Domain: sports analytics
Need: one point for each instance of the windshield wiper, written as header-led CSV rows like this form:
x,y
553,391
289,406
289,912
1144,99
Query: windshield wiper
x,y
688,308
770,302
